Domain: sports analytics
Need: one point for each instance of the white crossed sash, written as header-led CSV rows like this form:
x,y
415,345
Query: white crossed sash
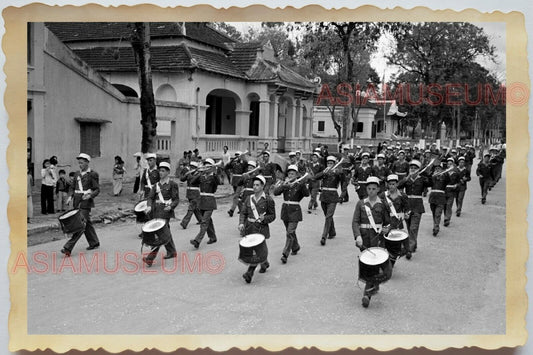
x,y
393,210
80,187
148,179
158,190
370,217
254,207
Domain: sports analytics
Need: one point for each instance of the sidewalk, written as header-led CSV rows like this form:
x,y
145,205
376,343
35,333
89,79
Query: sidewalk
x,y
108,208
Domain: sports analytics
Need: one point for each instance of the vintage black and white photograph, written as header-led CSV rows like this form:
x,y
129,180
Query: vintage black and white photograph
x,y
263,178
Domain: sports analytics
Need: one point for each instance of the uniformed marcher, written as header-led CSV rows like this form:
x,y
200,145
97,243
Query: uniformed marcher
x,y
192,194
150,175
329,196
437,196
247,182
464,177
291,212
162,200
452,188
371,219
314,168
484,172
209,182
84,188
381,171
257,212
361,174
496,164
401,166
268,170
237,166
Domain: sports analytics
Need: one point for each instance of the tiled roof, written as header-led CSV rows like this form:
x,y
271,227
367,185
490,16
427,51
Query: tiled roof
x,y
244,55
94,31
265,70
216,63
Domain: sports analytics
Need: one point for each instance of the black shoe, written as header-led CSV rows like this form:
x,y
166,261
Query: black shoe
x,y
230,212
323,241
170,256
309,211
264,267
446,223
283,259
435,232
458,214
247,277
195,243
211,241
65,251
408,255
365,301
331,236
91,247
148,262
295,251
483,200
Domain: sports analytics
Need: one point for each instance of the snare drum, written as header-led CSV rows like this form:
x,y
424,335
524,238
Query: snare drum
x,y
394,241
156,232
374,265
72,221
253,249
139,209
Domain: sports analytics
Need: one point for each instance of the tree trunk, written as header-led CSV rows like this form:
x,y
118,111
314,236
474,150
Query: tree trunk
x,y
141,47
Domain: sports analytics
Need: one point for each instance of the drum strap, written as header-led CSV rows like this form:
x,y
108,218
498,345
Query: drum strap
x,y
80,187
148,179
254,207
393,210
158,189
371,218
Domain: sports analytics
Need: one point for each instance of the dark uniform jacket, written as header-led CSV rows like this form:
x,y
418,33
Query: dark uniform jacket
x,y
193,190
153,176
171,197
331,179
401,205
464,177
268,170
379,212
453,182
265,206
438,183
414,188
381,172
483,170
237,166
302,166
400,168
208,186
315,169
291,212
89,181
247,182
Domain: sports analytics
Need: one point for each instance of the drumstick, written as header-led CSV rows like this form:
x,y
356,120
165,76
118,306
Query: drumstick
x,y
370,251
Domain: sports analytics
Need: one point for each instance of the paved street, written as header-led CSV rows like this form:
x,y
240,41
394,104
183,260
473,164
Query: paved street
x,y
455,283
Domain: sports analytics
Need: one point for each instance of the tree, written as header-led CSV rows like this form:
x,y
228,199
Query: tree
x,y
140,42
228,30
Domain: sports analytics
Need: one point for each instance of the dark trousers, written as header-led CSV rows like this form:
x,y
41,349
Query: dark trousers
x,y
193,209
136,184
236,192
206,226
449,206
361,192
413,223
90,233
459,200
47,199
485,184
264,265
329,224
436,210
370,239
169,246
312,202
291,242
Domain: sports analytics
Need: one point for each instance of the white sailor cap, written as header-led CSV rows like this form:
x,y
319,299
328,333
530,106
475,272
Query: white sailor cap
x,y
298,152
150,156
451,159
461,158
194,163
382,156
415,163
84,156
454,150
292,167
401,151
331,158
365,154
392,177
164,164
372,180
358,147
252,163
209,161
238,153
138,154
266,152
292,153
317,154
260,178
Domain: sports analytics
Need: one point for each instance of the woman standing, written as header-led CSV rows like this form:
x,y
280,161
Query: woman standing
x,y
48,183
118,175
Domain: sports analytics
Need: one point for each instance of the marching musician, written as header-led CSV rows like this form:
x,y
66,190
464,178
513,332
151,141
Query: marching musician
x,y
150,174
237,166
437,196
301,163
347,165
451,189
268,170
84,188
329,197
247,181
415,184
361,174
485,180
496,164
258,211
464,177
398,204
381,172
291,213
371,218
315,167
162,200
209,182
401,166
192,194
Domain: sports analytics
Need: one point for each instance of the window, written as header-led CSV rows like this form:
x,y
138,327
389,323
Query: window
x,y
381,126
359,126
90,138
321,126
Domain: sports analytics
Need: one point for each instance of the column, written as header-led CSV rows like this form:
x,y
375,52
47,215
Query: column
x,y
264,121
242,122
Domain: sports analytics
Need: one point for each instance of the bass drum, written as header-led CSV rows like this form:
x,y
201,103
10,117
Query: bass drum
x,y
374,265
156,232
72,222
253,249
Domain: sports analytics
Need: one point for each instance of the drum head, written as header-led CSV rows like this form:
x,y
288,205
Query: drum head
x,y
397,235
251,240
141,206
374,256
68,214
153,225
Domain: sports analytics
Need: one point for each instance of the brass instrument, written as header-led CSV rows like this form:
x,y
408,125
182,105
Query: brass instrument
x,y
334,167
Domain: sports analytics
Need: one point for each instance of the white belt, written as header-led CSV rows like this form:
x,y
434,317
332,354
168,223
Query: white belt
x,y
248,189
451,185
206,194
369,226
267,176
291,202
401,173
193,188
165,202
251,220
361,182
329,189
414,196
82,191
237,174
437,191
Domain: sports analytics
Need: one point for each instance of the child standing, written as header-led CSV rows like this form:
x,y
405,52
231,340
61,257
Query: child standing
x,y
62,191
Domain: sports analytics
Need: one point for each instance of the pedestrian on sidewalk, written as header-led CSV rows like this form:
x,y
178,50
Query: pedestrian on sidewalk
x,y
62,188
118,175
85,188
48,182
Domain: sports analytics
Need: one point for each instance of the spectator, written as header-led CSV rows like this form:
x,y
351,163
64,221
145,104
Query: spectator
x,y
138,168
226,157
118,175
183,162
62,188
48,183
